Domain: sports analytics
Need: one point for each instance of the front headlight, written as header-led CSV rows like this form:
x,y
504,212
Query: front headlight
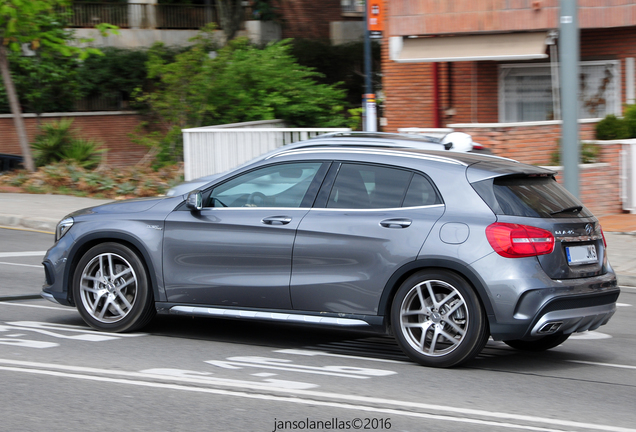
x,y
63,227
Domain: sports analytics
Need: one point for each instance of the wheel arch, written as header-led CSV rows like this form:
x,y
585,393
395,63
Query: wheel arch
x,y
424,263
91,240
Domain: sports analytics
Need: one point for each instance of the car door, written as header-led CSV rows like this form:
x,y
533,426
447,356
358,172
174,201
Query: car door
x,y
373,219
236,251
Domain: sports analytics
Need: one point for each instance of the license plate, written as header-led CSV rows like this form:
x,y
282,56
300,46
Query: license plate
x,y
579,255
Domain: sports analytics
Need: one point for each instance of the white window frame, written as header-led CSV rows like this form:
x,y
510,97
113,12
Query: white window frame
x,y
613,108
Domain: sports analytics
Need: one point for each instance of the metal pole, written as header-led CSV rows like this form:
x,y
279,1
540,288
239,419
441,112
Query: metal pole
x,y
569,62
368,99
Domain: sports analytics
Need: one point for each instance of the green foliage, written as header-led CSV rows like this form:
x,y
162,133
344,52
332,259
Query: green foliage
x,y
589,153
612,128
630,119
241,83
50,143
47,78
85,152
117,71
342,63
71,179
249,83
57,142
41,24
265,10
354,122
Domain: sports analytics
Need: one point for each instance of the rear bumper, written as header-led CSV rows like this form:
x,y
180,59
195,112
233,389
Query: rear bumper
x,y
573,320
565,306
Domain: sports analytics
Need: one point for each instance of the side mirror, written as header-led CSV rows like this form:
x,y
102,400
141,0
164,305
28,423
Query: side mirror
x,y
195,200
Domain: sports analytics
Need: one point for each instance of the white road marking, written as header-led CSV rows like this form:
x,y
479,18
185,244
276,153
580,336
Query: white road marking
x,y
471,416
53,330
22,254
623,305
603,364
287,365
36,326
590,335
37,306
312,353
25,343
21,265
205,378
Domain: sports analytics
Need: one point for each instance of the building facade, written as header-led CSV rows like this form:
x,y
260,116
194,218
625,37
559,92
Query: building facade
x,y
496,61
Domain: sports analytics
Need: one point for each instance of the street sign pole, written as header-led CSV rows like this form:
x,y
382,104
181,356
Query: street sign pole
x,y
569,68
368,100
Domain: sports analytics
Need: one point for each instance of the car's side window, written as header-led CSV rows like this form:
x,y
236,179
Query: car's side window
x,y
421,193
360,186
283,185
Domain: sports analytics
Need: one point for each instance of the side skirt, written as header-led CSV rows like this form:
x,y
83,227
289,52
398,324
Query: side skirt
x,y
372,323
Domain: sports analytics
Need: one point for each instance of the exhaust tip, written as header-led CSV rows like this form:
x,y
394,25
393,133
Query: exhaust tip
x,y
550,327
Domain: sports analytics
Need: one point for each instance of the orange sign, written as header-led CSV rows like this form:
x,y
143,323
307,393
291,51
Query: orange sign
x,y
375,13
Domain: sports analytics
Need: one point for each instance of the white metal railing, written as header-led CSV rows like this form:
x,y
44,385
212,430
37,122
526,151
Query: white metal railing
x,y
435,132
628,176
211,150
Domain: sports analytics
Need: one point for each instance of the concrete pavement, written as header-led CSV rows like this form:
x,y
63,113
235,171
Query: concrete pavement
x,y
43,212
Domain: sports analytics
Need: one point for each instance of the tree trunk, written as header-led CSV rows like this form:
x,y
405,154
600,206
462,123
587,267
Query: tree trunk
x,y
16,110
230,17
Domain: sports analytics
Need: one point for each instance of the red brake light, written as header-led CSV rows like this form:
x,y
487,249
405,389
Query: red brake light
x,y
518,241
603,234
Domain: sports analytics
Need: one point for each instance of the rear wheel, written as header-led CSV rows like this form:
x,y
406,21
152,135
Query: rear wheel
x,y
111,289
438,320
536,345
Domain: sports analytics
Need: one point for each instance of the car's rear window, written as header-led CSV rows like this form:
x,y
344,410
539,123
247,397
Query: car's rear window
x,y
530,196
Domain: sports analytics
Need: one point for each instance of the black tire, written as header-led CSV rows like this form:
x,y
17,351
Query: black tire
x,y
444,332
121,300
543,344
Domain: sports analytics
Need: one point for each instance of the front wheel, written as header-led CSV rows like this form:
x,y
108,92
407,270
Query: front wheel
x,y
438,320
111,289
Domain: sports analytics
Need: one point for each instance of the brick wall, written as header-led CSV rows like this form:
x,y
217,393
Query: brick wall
x,y
599,184
534,144
531,143
309,19
112,130
422,17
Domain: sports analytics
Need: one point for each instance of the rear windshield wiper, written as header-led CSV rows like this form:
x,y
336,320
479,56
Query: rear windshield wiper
x,y
573,209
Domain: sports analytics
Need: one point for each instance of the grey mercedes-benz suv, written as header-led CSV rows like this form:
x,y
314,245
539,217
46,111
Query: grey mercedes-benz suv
x,y
439,249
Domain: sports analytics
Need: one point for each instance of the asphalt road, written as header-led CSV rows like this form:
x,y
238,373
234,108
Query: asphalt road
x,y
213,375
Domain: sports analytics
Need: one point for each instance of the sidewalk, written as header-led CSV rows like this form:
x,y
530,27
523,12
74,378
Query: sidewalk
x,y
43,212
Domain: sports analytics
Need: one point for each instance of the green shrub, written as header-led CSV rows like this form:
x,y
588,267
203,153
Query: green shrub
x,y
57,142
589,153
630,120
85,152
53,138
612,128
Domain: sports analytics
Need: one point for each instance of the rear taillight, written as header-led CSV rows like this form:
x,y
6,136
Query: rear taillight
x,y
603,234
518,241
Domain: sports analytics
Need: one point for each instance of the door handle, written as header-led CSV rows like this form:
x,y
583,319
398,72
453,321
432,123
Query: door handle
x,y
396,223
276,220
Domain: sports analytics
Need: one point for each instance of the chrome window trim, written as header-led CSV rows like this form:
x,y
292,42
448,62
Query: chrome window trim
x,y
376,209
256,208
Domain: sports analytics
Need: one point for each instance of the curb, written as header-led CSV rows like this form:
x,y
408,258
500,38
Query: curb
x,y
37,224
